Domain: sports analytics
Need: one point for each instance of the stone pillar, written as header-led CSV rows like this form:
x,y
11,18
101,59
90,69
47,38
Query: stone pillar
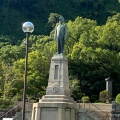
x,y
109,81
57,103
58,83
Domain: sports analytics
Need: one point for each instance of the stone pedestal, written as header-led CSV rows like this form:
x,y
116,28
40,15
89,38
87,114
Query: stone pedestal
x,y
57,103
53,111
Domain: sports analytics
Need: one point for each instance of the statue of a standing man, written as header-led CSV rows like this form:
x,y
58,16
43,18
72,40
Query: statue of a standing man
x,y
60,35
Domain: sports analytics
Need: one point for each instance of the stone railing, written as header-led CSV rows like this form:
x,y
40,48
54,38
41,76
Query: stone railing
x,y
115,111
98,111
8,113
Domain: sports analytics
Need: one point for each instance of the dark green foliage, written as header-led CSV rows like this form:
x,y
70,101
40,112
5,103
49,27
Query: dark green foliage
x,y
14,13
4,103
75,89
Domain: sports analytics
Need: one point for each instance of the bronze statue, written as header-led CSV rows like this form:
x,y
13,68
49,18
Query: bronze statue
x,y
60,35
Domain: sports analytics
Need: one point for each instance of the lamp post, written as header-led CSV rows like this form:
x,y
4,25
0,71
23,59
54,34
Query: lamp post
x,y
28,28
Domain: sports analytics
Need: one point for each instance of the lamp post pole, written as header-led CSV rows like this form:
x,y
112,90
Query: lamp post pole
x,y
25,76
28,28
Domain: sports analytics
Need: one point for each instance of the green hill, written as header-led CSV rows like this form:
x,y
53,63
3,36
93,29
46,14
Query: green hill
x,y
13,13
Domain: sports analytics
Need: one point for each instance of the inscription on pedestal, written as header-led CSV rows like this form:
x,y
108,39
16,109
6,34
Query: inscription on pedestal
x,y
56,72
49,114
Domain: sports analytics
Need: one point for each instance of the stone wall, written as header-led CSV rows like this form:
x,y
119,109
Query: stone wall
x,y
83,107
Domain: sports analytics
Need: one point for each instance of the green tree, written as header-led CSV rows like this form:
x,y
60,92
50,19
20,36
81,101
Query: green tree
x,y
53,19
10,53
95,54
40,52
75,89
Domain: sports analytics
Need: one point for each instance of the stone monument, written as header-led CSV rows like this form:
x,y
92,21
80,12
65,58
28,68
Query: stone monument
x,y
57,103
109,81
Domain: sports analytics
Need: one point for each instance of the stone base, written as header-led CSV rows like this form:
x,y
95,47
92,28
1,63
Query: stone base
x,y
54,111
57,103
56,98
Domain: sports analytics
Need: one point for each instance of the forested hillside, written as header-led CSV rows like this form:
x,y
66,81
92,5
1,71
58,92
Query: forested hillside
x,y
14,12
92,46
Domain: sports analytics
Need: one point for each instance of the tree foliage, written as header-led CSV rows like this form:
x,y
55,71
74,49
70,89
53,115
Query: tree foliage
x,y
92,52
95,55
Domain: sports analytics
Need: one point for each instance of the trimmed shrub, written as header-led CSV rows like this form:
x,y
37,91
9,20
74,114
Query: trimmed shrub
x,y
104,96
118,98
85,99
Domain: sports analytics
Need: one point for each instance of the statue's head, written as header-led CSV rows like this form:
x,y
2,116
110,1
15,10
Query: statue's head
x,y
61,19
